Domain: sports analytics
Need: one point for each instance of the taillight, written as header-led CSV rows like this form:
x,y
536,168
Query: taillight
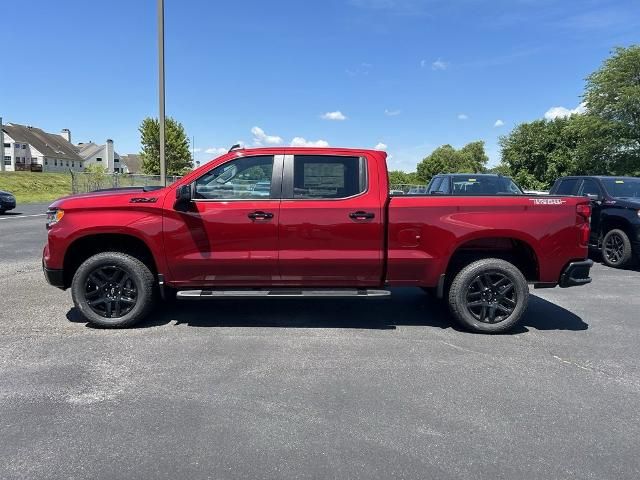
x,y
585,233
584,210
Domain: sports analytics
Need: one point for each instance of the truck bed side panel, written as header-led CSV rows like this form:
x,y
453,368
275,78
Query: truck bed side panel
x,y
425,231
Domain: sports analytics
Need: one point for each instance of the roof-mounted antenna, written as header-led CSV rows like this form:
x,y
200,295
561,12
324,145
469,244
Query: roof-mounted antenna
x,y
237,146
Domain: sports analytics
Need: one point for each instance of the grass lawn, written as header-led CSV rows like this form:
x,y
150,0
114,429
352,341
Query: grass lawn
x,y
30,187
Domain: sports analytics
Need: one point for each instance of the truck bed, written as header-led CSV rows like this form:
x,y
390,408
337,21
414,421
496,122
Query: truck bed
x,y
425,233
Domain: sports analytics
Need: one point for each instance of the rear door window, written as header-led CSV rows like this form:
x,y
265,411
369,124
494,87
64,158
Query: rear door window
x,y
325,176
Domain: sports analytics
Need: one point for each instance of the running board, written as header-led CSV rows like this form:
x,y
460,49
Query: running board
x,y
349,293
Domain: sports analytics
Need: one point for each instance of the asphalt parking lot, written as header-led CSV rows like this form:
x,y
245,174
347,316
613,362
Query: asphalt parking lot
x,y
287,388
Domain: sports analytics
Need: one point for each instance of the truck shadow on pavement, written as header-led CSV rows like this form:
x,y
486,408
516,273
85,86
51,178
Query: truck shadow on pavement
x,y
406,307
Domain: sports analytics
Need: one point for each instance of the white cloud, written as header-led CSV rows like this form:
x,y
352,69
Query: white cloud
x,y
215,150
337,115
423,63
439,65
562,112
392,113
499,123
380,146
463,116
302,142
261,138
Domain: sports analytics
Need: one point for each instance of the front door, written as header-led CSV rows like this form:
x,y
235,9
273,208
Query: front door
x,y
331,223
229,236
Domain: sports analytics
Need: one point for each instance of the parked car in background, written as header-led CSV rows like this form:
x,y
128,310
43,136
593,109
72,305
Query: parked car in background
x,y
615,218
473,184
7,201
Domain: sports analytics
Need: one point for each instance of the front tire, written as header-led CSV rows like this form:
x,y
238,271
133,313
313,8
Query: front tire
x,y
616,249
113,290
488,296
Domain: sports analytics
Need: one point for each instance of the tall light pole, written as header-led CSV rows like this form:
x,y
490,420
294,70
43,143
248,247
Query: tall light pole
x,y
1,147
163,175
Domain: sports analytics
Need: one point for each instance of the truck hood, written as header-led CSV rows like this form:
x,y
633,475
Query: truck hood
x,y
110,198
633,203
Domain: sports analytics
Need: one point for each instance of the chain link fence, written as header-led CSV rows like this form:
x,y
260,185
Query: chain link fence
x,y
84,182
407,189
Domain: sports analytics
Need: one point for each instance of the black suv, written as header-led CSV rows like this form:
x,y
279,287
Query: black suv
x,y
472,184
615,220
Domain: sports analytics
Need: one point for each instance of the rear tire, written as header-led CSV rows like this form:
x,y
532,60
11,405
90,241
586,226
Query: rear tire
x,y
488,296
616,249
113,290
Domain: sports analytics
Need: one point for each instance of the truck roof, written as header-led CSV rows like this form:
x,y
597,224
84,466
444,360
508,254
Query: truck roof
x,y
322,150
596,176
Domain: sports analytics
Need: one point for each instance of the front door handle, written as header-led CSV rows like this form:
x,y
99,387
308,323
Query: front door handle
x,y
260,215
361,215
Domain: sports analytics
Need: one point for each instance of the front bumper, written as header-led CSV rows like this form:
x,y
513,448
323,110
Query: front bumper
x,y
54,276
576,274
7,204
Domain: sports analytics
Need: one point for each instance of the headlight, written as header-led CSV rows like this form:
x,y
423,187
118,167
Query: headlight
x,y
54,215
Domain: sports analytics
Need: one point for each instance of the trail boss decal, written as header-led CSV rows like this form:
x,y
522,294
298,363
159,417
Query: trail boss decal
x,y
548,201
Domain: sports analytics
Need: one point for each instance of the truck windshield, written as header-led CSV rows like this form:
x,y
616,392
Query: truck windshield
x,y
484,185
622,187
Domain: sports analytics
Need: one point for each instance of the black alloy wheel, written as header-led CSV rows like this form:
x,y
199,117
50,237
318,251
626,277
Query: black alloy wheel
x,y
110,291
491,297
614,248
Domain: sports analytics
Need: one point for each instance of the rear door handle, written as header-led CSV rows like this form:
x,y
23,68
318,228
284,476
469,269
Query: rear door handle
x,y
361,215
260,215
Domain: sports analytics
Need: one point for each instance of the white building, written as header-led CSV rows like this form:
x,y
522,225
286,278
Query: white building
x,y
32,149
105,155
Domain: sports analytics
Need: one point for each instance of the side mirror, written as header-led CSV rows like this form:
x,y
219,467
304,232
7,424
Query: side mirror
x,y
183,197
593,197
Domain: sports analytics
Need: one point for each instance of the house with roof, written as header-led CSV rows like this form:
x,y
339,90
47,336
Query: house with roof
x,y
28,148
132,162
104,155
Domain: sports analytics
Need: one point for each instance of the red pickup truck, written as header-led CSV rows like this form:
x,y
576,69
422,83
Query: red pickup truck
x,y
310,222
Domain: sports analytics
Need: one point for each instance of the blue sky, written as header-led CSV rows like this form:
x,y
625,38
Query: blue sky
x,y
409,74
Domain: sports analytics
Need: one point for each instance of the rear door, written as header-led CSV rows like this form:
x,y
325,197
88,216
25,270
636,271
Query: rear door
x,y
331,228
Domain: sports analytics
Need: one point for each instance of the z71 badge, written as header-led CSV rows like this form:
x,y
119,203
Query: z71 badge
x,y
548,201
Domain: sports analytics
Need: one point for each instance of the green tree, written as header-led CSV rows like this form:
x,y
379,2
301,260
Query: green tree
x,y
445,159
612,94
398,177
537,153
603,141
177,153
